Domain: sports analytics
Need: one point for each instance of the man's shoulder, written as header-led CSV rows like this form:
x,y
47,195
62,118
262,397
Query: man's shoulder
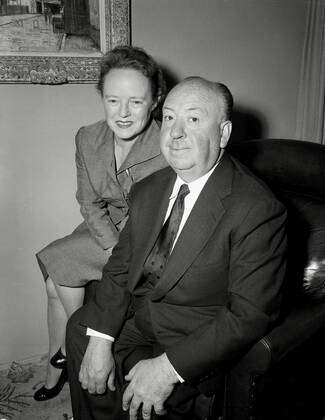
x,y
160,177
249,190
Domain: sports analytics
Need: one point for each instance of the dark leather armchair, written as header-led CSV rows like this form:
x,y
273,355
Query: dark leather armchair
x,y
283,375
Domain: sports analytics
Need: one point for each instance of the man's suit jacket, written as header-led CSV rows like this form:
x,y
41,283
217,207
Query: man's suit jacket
x,y
221,289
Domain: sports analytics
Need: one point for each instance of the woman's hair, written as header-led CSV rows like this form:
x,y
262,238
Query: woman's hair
x,y
126,57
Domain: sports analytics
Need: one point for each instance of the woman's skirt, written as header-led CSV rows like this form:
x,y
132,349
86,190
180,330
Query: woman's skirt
x,y
74,260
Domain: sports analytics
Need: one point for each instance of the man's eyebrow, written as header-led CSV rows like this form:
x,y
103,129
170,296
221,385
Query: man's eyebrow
x,y
189,109
194,108
198,109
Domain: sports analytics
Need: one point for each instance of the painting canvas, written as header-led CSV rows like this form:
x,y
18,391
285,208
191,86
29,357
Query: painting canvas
x,y
58,41
50,26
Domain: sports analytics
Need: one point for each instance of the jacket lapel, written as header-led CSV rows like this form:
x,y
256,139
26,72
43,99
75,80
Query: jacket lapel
x,y
153,210
201,224
145,148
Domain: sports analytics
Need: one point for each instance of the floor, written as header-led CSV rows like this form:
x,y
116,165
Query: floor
x,y
17,386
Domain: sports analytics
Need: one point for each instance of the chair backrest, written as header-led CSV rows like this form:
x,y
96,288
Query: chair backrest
x,y
288,165
295,171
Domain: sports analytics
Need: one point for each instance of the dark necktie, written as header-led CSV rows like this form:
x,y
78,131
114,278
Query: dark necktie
x,y
157,259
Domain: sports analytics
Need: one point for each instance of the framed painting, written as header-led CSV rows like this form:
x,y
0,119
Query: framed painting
x,y
59,41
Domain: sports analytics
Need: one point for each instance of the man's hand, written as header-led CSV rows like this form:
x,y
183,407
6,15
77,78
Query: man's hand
x,y
151,383
98,367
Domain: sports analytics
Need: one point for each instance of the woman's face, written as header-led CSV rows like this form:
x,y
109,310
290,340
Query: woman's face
x,y
127,101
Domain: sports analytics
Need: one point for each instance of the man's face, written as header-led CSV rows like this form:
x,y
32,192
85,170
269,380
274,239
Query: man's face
x,y
192,131
127,101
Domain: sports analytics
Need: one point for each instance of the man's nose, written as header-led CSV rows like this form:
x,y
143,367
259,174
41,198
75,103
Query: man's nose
x,y
177,131
124,109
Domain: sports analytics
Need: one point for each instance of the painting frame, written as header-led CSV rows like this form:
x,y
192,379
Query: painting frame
x,y
52,68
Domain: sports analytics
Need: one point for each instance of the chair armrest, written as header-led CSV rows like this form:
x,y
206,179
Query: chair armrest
x,y
246,380
299,325
242,381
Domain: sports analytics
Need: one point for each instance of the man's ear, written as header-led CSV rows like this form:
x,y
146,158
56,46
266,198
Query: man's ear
x,y
225,131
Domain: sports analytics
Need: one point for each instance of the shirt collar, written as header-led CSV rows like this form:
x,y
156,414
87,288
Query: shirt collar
x,y
197,184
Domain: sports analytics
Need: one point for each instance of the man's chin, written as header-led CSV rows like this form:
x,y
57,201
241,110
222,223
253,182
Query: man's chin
x,y
180,165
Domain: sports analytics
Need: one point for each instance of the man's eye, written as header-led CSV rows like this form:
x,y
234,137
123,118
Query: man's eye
x,y
111,101
194,119
137,102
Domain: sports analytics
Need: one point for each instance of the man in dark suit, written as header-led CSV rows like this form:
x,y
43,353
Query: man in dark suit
x,y
194,280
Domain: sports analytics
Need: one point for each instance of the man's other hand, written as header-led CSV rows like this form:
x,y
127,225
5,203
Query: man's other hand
x,y
151,383
98,367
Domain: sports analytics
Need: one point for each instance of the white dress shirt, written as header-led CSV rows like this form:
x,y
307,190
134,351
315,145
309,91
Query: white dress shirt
x,y
195,188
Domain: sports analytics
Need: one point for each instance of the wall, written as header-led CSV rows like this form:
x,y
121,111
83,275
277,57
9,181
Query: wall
x,y
252,45
37,188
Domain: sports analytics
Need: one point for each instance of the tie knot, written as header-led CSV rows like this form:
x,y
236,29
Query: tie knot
x,y
183,191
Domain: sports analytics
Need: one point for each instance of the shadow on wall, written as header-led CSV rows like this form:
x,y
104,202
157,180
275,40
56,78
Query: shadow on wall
x,y
247,124
171,80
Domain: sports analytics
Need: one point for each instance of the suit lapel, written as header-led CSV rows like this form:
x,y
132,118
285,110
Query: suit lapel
x,y
153,210
201,224
145,148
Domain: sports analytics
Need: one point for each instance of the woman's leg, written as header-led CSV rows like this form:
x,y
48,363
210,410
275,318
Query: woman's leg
x,y
71,299
62,302
56,322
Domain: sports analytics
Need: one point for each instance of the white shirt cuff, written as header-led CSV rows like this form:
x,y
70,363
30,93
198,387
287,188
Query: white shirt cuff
x,y
95,333
181,380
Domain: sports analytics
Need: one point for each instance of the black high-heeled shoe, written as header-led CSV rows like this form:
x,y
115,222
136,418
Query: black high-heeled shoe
x,y
44,393
59,361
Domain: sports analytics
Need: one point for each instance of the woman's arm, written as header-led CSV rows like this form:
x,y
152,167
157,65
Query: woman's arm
x,y
91,205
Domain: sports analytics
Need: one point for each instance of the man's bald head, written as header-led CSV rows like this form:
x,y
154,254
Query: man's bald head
x,y
218,93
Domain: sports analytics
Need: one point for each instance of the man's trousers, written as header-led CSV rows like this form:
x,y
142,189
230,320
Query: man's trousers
x,y
133,345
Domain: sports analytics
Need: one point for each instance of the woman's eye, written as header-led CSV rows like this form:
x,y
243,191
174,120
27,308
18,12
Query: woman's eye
x,y
167,117
137,102
111,101
194,119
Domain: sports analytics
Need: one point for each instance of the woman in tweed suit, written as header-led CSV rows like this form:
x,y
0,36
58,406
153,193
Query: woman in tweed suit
x,y
111,155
